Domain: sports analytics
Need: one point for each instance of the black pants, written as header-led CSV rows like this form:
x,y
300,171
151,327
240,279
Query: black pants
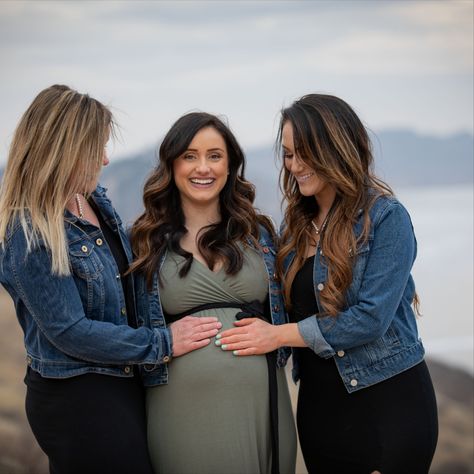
x,y
89,424
391,427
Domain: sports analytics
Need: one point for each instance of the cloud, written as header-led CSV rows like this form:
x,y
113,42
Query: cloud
x,y
155,60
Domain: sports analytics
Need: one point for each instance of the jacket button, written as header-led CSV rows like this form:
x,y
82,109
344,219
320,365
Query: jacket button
x,y
99,241
166,359
320,287
117,276
265,250
276,308
341,353
275,277
84,248
353,383
127,369
123,311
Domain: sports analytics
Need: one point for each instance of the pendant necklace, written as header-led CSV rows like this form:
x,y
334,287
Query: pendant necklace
x,y
317,229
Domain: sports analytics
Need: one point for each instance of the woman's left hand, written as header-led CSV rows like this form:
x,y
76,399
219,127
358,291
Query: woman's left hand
x,y
252,336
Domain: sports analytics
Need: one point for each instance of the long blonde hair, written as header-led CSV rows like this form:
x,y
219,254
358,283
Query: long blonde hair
x,y
56,151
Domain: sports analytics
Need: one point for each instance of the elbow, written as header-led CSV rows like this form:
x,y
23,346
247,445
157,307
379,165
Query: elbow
x,y
375,323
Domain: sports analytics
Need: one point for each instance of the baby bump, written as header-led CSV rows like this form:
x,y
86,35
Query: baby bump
x,y
211,365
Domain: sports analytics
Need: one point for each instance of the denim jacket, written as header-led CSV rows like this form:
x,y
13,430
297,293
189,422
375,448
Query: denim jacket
x,y
375,336
150,311
78,323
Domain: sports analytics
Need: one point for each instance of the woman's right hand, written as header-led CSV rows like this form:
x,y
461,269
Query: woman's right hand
x,y
190,333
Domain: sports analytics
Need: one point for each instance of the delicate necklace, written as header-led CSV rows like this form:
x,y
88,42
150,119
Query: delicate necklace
x,y
80,209
323,225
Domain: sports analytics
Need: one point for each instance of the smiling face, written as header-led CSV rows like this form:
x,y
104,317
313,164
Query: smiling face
x,y
309,183
200,173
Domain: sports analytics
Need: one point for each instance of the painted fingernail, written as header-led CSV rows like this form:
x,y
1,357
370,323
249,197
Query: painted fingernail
x,y
236,353
217,343
218,336
224,346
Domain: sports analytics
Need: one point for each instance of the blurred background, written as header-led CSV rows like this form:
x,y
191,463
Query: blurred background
x,y
405,66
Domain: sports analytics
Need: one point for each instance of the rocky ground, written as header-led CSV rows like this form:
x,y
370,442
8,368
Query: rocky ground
x,y
19,453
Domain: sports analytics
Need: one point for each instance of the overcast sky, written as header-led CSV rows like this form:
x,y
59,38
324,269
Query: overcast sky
x,y
398,63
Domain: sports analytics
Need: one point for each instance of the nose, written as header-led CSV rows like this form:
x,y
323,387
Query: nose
x,y
296,165
202,166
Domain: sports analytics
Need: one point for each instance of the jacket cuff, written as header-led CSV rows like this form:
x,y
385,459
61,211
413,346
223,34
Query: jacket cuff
x,y
165,345
311,334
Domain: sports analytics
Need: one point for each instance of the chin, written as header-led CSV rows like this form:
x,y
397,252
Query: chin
x,y
307,191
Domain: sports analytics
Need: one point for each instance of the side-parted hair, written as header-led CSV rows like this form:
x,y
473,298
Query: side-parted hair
x,y
329,138
162,225
57,149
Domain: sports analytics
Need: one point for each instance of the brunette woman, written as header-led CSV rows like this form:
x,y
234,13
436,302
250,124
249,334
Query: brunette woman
x,y
63,257
202,249
366,400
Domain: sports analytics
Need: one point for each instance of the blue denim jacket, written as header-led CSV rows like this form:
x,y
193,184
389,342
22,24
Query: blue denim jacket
x,y
375,337
78,323
150,311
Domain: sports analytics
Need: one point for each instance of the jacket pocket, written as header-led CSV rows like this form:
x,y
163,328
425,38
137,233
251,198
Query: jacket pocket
x,y
384,347
84,261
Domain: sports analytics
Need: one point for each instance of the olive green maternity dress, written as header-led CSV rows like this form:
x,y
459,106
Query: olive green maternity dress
x,y
213,416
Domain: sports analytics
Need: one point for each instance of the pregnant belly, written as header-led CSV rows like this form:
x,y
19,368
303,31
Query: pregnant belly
x,y
211,365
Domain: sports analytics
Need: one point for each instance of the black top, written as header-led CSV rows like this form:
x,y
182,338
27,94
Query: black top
x,y
115,245
304,304
303,300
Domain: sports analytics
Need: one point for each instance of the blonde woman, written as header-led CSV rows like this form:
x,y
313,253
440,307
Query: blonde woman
x,y
63,259
366,401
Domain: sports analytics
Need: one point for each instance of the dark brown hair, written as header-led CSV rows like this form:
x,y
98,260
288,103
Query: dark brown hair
x,y
329,138
162,225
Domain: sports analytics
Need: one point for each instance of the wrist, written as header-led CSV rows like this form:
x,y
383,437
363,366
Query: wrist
x,y
289,335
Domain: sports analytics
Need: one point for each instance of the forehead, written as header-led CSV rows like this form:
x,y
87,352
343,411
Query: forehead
x,y
287,134
208,137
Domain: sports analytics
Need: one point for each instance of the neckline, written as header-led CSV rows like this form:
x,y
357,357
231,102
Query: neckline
x,y
203,265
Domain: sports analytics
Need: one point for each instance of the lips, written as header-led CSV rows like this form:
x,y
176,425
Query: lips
x,y
304,177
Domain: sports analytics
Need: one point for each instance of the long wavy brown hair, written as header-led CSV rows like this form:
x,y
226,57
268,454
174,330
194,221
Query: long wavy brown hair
x,y
162,225
329,138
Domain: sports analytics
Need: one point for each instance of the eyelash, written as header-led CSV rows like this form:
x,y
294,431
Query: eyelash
x,y
213,157
287,156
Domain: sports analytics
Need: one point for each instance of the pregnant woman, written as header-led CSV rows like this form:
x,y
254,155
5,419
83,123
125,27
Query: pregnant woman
x,y
201,248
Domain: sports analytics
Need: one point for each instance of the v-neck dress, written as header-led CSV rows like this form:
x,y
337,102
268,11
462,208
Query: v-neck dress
x,y
213,416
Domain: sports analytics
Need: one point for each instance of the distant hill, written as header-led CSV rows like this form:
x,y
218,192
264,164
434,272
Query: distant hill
x,y
403,158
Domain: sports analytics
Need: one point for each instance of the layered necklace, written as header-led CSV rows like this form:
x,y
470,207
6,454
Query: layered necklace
x,y
317,229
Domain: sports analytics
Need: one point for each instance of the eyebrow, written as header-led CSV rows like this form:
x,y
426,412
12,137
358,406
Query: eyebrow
x,y
210,149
